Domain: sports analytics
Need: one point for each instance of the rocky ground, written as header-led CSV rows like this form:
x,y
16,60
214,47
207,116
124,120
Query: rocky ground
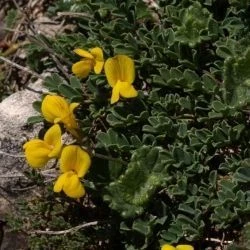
x,y
16,100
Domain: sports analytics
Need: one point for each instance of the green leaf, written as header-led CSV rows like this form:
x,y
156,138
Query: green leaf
x,y
243,174
224,52
112,140
215,115
237,80
194,22
135,141
12,18
130,193
35,119
126,114
182,132
142,11
52,82
158,125
241,4
37,106
69,92
75,83
115,169
142,227
209,83
187,209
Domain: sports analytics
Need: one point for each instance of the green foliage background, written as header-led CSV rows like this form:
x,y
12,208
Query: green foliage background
x,y
177,157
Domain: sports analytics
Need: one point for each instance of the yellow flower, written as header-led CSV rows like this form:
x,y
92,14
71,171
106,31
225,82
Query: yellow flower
x,y
167,247
184,247
178,247
56,109
38,152
120,73
70,184
74,164
92,60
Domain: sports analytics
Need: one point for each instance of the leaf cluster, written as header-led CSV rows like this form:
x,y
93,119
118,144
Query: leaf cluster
x,y
177,157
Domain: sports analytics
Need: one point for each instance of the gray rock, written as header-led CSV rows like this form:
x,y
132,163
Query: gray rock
x,y
14,112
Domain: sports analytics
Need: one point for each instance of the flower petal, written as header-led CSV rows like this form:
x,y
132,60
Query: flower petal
x,y
73,187
73,105
115,94
36,153
82,68
69,121
120,67
127,68
55,153
73,158
167,247
184,247
54,108
53,137
57,120
111,71
83,53
97,53
127,90
98,66
60,182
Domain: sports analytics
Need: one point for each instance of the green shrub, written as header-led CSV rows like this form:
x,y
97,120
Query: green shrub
x,y
171,165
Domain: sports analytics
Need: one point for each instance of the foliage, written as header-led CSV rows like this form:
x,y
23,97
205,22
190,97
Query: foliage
x,y
11,18
174,161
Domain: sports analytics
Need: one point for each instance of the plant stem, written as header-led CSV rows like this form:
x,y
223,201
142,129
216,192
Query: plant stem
x,y
105,157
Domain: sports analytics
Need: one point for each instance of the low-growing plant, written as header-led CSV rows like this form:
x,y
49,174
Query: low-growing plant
x,y
162,92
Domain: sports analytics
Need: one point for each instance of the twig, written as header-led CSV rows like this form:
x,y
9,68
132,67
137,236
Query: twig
x,y
23,189
12,155
42,42
51,52
26,70
74,14
225,242
223,239
16,5
102,123
35,91
21,67
45,46
20,23
105,157
20,175
12,176
13,30
162,190
45,173
70,230
13,48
